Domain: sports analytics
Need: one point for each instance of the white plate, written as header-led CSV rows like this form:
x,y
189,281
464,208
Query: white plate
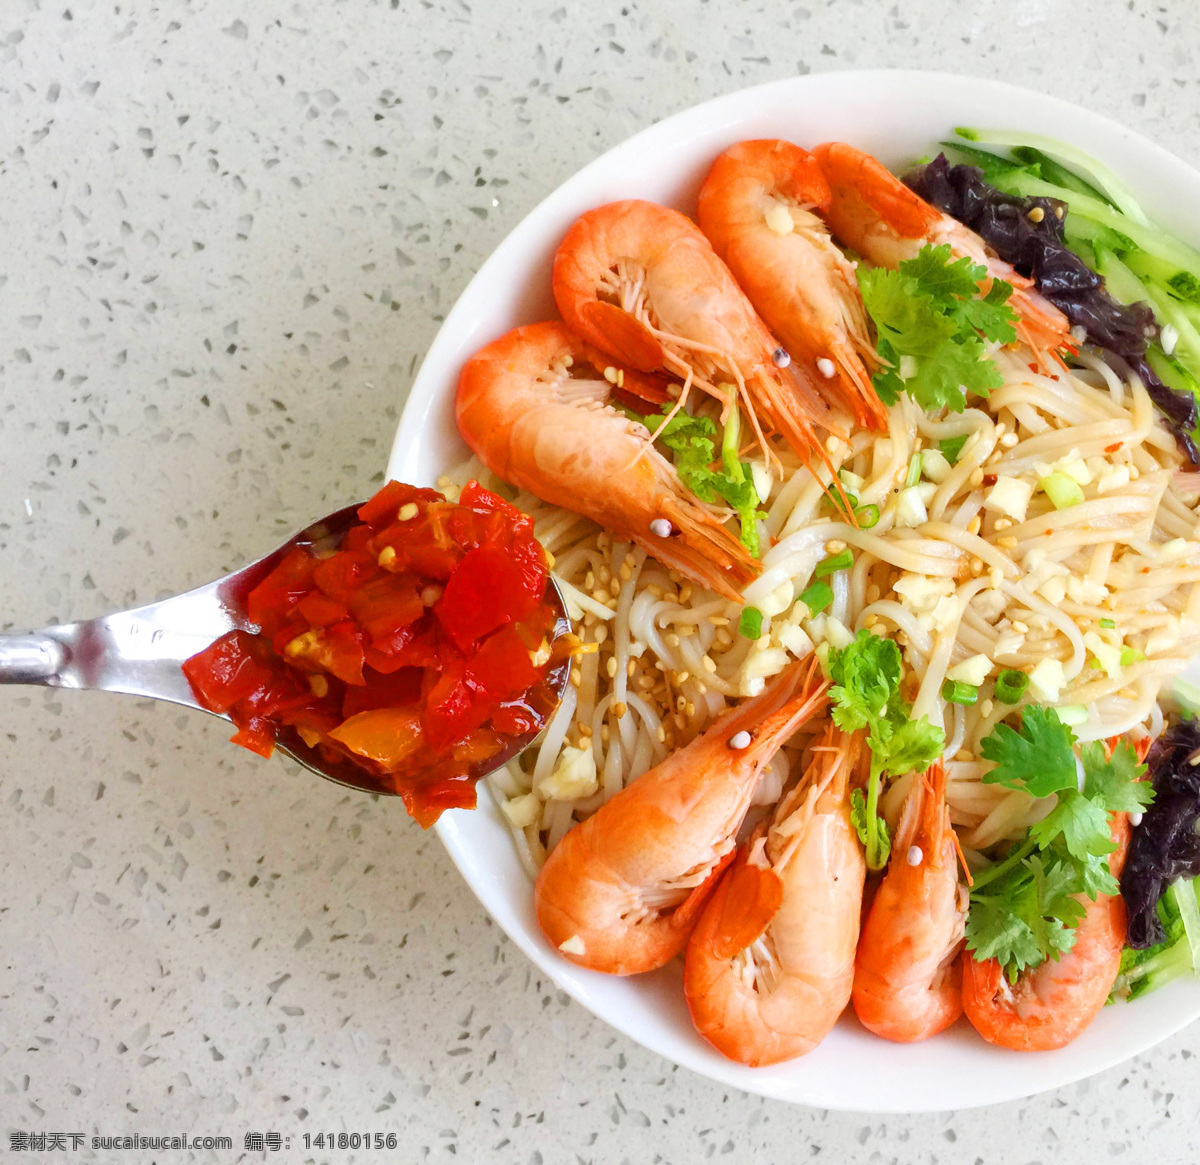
x,y
897,116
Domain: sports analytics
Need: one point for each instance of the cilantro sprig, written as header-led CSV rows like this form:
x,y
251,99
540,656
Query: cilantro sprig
x,y
692,442
866,678
1025,908
931,324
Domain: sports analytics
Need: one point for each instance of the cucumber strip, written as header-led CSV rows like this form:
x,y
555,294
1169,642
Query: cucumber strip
x,y
1183,893
993,165
1177,281
1156,971
1150,239
1128,288
1112,186
1053,172
1171,372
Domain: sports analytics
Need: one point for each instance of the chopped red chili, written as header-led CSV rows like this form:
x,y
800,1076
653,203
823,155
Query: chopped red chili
x,y
418,649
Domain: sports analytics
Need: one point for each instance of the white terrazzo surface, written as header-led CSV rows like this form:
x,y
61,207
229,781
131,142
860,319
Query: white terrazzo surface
x,y
230,230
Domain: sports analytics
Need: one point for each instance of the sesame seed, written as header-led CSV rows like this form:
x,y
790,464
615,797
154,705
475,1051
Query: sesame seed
x,y
1002,523
682,677
1008,542
986,708
685,593
589,582
976,565
709,665
1021,628
718,620
1008,440
781,358
601,631
620,708
740,740
1036,214
662,735
964,754
973,525
407,512
610,374
387,555
976,479
611,666
319,686
576,677
430,595
691,708
834,546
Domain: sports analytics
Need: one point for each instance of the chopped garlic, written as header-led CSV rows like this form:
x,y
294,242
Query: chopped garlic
x,y
908,367
1109,654
793,639
971,671
778,600
760,664
920,593
1009,496
1046,680
945,613
989,604
935,466
837,634
1053,589
522,811
1114,477
910,509
574,776
1176,548
1008,643
1084,590
779,219
573,946
926,491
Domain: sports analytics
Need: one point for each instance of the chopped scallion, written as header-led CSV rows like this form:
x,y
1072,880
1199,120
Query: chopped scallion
x,y
914,470
956,692
817,597
1072,715
1062,490
834,563
750,623
1131,655
1011,685
1108,624
868,516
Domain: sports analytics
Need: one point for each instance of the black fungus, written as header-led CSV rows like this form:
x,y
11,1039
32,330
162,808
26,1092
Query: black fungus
x,y
1165,846
1036,248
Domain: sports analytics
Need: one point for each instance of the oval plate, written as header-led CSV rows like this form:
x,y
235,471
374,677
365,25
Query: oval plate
x,y
898,116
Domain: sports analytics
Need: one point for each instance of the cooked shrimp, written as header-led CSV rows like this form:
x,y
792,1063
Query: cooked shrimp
x,y
771,962
621,892
1050,1005
757,208
535,408
907,977
642,284
875,213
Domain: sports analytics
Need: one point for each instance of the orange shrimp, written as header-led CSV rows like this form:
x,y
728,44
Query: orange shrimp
x,y
1050,1005
621,892
770,964
876,214
535,408
907,976
757,208
641,283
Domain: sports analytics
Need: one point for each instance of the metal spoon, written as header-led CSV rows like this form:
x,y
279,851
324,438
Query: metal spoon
x,y
140,652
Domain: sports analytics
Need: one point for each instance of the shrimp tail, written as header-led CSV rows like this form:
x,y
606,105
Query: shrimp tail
x,y
752,897
619,334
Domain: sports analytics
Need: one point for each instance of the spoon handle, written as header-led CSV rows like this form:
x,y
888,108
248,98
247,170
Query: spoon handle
x,y
31,659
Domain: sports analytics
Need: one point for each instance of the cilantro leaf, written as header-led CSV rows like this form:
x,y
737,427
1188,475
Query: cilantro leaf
x,y
866,676
860,818
1115,782
905,747
929,318
1081,822
692,443
1038,759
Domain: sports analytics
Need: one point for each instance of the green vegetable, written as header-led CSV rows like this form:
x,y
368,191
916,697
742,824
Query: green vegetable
x,y
1011,685
1033,148
1143,971
956,692
1131,655
868,516
866,694
817,597
951,447
1072,715
750,623
1037,758
691,441
836,562
914,471
1025,908
1062,490
929,310
1108,624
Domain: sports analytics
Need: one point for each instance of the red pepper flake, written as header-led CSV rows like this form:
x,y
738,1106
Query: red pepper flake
x,y
989,479
418,672
1113,447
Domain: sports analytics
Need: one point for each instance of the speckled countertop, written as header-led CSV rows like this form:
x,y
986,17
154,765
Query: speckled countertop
x,y
230,231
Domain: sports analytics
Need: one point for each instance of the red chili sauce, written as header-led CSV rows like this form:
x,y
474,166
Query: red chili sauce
x,y
419,648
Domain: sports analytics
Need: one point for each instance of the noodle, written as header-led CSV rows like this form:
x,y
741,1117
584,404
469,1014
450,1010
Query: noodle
x,y
1107,591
